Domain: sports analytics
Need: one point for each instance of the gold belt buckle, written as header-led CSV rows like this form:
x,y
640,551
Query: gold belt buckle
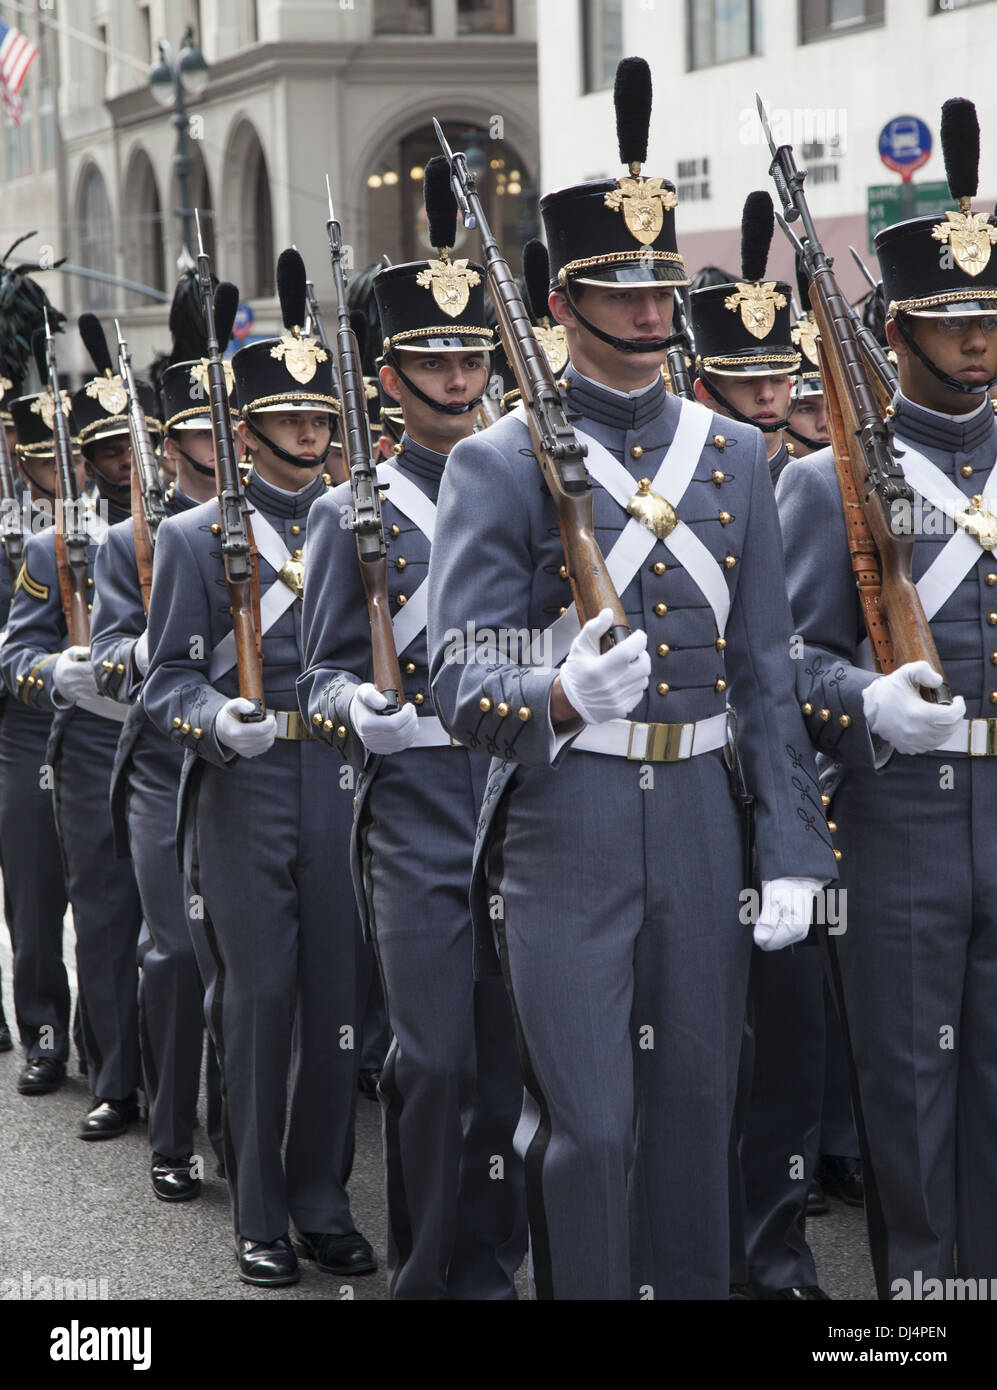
x,y
990,749
664,743
297,729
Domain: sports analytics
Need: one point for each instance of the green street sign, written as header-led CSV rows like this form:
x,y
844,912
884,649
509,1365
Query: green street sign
x,y
888,203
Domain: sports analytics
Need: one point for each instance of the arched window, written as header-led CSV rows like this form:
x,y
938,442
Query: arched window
x,y
200,198
96,234
142,228
249,250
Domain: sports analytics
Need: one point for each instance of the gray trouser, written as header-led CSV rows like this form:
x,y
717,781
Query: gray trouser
x,y
106,907
917,966
628,967
33,883
275,929
450,1089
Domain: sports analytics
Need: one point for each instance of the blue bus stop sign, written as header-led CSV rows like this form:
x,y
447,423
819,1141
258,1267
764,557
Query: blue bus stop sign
x,y
905,145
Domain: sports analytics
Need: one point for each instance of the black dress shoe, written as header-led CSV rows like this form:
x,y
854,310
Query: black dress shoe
x,y
367,1082
842,1178
817,1203
172,1180
799,1293
40,1075
348,1254
6,1041
109,1118
270,1264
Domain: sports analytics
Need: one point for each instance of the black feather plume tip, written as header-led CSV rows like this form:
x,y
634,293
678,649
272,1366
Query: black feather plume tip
x,y
960,134
632,99
95,342
536,273
441,205
291,278
190,339
226,308
757,227
358,322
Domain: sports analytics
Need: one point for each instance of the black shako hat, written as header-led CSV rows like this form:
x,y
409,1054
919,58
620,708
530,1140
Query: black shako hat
x,y
931,267
743,329
292,372
32,417
100,407
617,230
804,335
185,390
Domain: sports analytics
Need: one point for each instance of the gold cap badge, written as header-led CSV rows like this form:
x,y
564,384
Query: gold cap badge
x,y
300,355
970,235
554,343
450,282
804,336
44,406
643,203
199,375
758,304
109,393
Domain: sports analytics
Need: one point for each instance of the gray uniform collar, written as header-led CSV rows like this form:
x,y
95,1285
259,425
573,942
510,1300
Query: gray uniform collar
x,y
607,407
928,429
275,502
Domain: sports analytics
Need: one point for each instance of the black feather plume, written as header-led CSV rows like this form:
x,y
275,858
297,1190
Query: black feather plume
x,y
632,99
757,227
358,322
960,134
226,307
536,273
95,342
291,280
190,337
441,205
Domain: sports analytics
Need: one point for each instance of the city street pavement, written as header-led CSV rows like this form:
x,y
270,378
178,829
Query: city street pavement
x,y
80,1211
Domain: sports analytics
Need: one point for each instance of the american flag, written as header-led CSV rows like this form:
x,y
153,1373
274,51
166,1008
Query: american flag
x,y
17,53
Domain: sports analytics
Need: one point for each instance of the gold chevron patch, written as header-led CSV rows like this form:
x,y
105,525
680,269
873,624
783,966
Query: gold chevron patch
x,y
30,586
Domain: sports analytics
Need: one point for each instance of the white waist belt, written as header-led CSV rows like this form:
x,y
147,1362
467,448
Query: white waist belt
x,y
654,743
430,733
106,708
977,737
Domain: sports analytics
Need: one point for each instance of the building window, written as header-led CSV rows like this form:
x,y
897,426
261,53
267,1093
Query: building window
x,y
96,240
602,42
720,31
484,17
403,16
940,6
825,19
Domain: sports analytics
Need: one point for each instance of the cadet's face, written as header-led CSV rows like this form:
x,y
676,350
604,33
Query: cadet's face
x,y
304,433
200,446
112,458
624,311
450,378
764,399
960,345
809,417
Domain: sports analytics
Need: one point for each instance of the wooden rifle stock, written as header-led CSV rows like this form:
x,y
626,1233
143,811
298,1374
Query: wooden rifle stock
x,y
71,557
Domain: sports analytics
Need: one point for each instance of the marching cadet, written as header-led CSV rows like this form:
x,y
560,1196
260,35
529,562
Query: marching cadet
x,y
34,885
807,423
143,800
915,809
450,1089
745,358
46,674
265,829
610,861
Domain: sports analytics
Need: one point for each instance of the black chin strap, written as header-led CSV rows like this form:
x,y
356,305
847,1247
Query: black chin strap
x,y
621,344
47,492
393,362
965,388
284,453
813,444
736,414
114,491
197,467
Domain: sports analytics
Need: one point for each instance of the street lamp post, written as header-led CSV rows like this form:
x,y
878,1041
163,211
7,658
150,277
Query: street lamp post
x,y
174,78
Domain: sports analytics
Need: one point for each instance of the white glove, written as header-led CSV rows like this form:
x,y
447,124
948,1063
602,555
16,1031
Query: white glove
x,y
605,685
73,674
140,653
896,712
787,904
381,733
248,739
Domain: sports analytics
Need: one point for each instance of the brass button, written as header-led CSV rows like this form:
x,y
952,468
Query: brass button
x,y
295,530
825,800
563,572
719,441
107,665
20,680
418,698
891,412
525,713
89,583
659,567
845,720
991,580
185,728
720,686
730,561
89,607
966,470
120,668
198,733
401,562
395,529
807,709
502,709
833,827
341,731
31,679
993,658
39,684
643,484
561,611
484,704
317,720
721,644
837,852
725,518
663,648
401,600
177,722
328,726
992,619
216,529
661,609
636,451
719,477
663,687
410,668
823,715
993,697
